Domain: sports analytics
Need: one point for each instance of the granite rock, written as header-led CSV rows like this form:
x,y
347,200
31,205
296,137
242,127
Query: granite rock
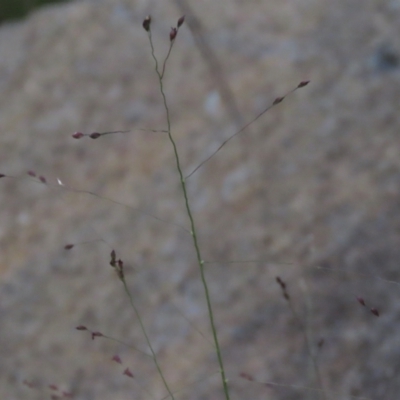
x,y
309,193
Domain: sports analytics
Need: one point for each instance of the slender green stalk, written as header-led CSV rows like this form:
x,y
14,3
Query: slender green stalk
x,y
277,101
310,351
127,345
153,354
306,334
190,215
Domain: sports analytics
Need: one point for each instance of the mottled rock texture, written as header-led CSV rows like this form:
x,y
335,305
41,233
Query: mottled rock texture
x,y
309,192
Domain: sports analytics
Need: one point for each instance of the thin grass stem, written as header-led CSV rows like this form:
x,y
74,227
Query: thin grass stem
x,y
192,223
153,354
64,187
277,101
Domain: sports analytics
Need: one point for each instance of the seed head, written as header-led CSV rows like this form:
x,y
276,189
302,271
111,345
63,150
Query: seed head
x,y
172,34
78,135
181,20
375,312
278,100
95,135
128,373
146,23
81,328
303,83
361,301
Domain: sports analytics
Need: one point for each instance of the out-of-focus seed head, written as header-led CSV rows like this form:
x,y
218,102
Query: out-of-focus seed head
x,y
361,301
96,334
146,23
117,359
81,328
181,20
246,376
78,135
119,269
113,260
68,246
172,34
95,135
286,296
375,312
280,282
128,373
303,83
278,100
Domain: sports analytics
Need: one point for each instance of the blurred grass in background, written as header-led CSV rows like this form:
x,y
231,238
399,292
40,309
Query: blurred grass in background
x,y
17,9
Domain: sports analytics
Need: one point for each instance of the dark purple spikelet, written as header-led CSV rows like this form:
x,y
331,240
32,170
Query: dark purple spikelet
x,y
95,135
81,328
286,295
303,83
117,359
146,23
280,282
172,34
128,373
68,246
181,20
246,376
78,135
375,311
96,334
278,100
119,269
361,301
32,173
2,175
113,259
42,179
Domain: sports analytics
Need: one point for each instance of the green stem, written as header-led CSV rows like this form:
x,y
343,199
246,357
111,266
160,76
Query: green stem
x,y
192,226
153,354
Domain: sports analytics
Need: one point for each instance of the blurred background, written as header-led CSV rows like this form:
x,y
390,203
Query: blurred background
x,y
309,193
17,9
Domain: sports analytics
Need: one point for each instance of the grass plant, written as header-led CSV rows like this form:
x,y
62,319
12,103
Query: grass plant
x,y
118,264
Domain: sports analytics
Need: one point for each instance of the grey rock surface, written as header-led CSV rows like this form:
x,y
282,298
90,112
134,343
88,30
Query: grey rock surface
x,y
309,192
